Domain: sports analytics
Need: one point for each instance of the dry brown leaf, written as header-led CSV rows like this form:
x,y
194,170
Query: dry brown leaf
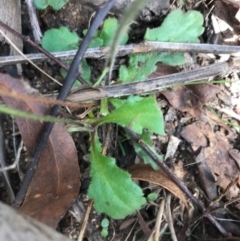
x,y
195,134
56,183
146,173
182,99
215,152
191,98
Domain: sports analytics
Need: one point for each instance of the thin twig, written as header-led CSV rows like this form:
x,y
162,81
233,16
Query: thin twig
x,y
107,139
16,161
169,217
34,21
148,47
175,179
3,164
85,220
159,220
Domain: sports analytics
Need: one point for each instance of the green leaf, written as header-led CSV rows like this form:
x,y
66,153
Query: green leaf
x,y
172,59
116,102
136,113
104,233
178,27
109,29
140,66
61,39
105,223
111,188
40,4
86,72
104,36
96,42
146,137
56,4
152,196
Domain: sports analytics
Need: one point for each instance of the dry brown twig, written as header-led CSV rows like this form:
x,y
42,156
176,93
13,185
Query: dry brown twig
x,y
148,47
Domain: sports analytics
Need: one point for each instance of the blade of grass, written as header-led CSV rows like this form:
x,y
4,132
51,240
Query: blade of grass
x,y
126,19
45,118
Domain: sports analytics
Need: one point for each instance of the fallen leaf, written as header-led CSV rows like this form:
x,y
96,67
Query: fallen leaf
x,y
204,92
146,173
191,98
56,183
215,152
184,100
195,135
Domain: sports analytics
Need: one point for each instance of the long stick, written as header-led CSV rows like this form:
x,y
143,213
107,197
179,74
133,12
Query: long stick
x,y
148,47
151,85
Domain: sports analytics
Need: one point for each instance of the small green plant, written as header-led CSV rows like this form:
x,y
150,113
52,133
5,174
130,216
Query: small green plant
x,y
104,225
177,27
55,4
104,232
152,197
60,39
111,188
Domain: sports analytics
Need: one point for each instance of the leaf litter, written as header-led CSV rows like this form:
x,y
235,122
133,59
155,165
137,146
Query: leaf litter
x,y
206,136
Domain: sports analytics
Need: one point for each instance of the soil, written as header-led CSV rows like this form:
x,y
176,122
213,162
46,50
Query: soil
x,y
208,136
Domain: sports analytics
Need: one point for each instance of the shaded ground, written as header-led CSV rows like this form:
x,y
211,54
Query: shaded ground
x,y
201,143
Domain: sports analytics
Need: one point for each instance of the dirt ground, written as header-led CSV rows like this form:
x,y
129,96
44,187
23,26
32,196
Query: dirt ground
x,y
201,145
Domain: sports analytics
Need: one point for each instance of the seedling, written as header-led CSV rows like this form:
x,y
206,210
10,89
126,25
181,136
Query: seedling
x,y
104,225
151,197
111,188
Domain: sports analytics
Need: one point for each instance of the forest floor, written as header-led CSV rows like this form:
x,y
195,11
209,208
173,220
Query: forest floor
x,y
201,145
